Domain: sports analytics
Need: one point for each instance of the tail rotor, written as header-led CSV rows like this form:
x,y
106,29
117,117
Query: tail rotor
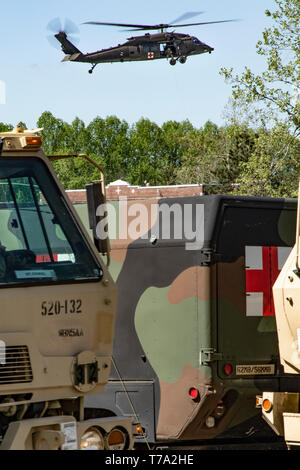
x,y
56,26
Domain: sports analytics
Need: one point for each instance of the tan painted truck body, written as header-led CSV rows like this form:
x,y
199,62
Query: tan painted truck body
x,y
281,408
57,302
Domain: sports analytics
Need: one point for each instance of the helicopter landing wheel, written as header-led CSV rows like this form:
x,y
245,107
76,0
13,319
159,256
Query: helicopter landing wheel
x,y
91,70
182,60
172,61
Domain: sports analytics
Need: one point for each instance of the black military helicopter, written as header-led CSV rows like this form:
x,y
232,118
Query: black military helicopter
x,y
163,45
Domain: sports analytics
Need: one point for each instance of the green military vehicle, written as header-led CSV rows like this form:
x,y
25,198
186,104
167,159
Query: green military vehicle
x,y
58,305
196,336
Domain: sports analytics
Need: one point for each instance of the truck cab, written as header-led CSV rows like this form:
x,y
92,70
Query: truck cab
x,y
58,304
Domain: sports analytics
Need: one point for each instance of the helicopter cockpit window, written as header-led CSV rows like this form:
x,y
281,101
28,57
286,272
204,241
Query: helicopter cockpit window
x,y
39,240
196,41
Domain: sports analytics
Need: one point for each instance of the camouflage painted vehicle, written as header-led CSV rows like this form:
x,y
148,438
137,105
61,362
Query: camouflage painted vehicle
x,y
195,328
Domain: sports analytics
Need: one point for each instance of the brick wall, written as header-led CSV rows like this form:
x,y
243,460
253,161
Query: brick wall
x,y
115,191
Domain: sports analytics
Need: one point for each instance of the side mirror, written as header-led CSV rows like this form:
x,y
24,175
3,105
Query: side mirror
x,y
95,199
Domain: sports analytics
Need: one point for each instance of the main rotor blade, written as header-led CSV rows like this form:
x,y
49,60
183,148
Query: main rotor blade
x,y
185,16
119,24
194,24
141,27
165,26
150,28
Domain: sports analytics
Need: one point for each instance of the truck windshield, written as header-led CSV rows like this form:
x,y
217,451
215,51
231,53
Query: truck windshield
x,y
40,241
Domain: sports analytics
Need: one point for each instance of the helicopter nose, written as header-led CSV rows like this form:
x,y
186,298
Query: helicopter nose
x,y
207,48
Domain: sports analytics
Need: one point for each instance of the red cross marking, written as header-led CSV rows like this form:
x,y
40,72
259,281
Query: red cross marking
x,y
258,280
262,280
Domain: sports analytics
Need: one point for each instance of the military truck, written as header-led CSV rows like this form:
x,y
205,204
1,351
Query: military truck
x,y
196,336
58,305
280,407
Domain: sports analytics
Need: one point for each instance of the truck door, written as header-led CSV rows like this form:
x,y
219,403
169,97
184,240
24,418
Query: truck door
x,y
252,247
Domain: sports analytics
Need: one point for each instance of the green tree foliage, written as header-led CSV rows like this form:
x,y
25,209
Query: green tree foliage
x,y
145,158
54,133
277,89
273,168
232,158
5,127
141,153
108,143
214,155
172,151
61,138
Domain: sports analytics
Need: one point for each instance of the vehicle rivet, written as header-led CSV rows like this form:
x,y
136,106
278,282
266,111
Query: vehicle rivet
x,y
290,300
105,282
291,278
107,301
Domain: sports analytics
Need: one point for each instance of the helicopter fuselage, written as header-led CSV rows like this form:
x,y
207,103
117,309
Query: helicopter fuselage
x,y
151,46
171,46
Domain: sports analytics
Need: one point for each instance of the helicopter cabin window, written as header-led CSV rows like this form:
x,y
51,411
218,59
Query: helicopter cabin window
x,y
150,48
39,239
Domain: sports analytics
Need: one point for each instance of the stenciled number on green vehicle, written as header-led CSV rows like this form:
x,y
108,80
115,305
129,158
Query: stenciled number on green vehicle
x,y
56,307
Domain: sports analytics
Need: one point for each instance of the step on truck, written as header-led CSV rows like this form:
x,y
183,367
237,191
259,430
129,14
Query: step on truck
x,y
196,336
58,304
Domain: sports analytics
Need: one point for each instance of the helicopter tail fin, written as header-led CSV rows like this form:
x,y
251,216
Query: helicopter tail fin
x,y
67,47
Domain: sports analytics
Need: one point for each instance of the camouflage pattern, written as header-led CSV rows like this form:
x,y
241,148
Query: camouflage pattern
x,y
181,318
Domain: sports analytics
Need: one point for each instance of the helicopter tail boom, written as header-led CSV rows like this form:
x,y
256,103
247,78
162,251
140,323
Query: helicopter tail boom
x,y
71,51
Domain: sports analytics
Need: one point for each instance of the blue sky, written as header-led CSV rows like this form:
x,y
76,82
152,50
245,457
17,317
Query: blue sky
x,y
36,80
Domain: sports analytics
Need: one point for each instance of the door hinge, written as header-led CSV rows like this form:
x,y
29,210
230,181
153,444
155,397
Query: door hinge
x,y
208,355
206,256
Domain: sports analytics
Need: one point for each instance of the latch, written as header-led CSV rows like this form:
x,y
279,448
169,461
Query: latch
x,y
208,355
206,256
86,371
